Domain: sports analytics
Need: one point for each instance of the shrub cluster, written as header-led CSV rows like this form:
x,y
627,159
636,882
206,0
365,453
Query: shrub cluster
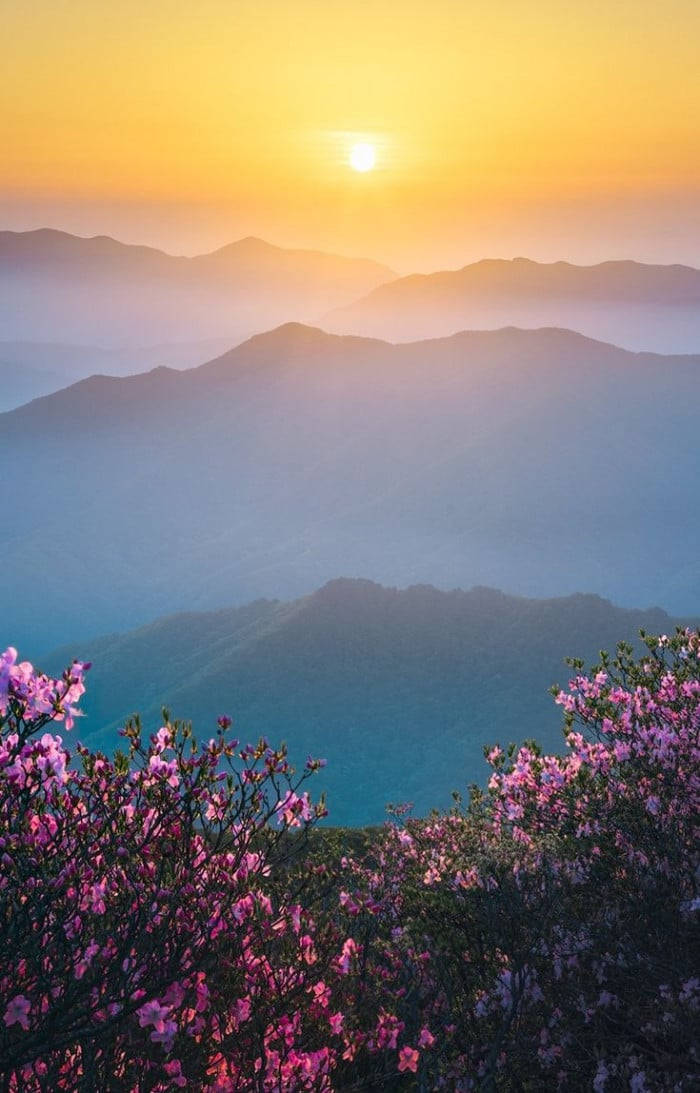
x,y
171,920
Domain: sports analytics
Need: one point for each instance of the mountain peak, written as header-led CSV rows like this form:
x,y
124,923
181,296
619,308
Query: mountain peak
x,y
291,335
349,589
249,245
398,688
639,306
289,338
118,294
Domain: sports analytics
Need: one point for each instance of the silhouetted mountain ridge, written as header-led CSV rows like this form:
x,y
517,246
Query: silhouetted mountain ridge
x,y
398,689
44,244
536,461
627,303
33,369
58,287
299,342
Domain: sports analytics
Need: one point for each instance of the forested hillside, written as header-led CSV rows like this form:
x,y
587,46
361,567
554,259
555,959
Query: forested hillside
x,y
398,690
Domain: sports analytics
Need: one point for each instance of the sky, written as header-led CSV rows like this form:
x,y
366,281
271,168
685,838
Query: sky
x,y
555,130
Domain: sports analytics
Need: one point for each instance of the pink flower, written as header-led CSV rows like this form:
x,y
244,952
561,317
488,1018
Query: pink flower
x,y
17,1011
408,1059
167,771
388,1029
165,1035
294,808
174,1071
153,1014
321,994
350,951
162,739
336,1023
426,1038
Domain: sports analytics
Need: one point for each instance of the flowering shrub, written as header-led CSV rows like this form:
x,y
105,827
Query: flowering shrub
x,y
170,923
139,926
545,935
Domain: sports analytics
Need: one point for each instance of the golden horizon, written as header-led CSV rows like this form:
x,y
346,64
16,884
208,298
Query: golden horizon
x,y
554,130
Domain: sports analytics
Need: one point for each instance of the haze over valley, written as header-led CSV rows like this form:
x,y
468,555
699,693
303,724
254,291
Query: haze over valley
x,y
510,458
441,431
636,306
57,287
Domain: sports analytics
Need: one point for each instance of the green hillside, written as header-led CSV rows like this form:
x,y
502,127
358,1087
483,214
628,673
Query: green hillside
x,y
398,690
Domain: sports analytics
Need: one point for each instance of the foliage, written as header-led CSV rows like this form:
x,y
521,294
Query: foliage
x,y
549,926
173,921
136,908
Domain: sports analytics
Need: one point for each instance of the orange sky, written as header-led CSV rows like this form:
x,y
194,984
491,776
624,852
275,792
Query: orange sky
x,y
553,129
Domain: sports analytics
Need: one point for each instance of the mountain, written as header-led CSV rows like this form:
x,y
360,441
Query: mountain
x,y
398,690
641,307
20,384
56,287
541,462
31,369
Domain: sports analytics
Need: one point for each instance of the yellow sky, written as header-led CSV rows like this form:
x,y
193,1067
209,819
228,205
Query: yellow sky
x,y
189,124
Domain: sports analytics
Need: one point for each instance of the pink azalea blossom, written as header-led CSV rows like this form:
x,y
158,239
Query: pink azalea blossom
x,y
17,1011
408,1059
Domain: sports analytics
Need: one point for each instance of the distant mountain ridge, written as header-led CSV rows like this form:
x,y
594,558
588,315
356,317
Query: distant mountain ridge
x,y
642,307
397,689
57,287
536,461
49,244
29,370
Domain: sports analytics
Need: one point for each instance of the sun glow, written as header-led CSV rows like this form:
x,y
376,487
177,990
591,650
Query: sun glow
x,y
362,157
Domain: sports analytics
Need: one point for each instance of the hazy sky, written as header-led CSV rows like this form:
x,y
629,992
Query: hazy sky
x,y
550,129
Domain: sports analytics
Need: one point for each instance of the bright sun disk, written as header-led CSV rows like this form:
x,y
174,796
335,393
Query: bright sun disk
x,y
362,157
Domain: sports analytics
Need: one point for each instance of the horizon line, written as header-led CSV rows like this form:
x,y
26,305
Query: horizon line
x,y
397,276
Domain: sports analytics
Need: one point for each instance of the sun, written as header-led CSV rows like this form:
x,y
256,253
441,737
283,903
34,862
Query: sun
x,y
362,157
